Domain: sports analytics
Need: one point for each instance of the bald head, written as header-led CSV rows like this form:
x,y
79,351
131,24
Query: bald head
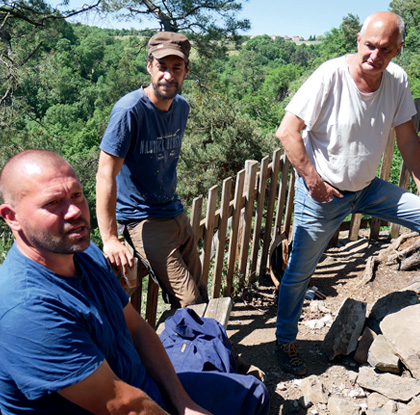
x,y
385,19
27,163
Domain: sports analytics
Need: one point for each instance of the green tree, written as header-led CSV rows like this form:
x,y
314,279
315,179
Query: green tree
x,y
195,16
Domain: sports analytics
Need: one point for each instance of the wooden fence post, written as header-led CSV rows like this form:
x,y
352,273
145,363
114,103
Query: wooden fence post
x,y
208,233
221,236
275,169
255,247
237,205
251,167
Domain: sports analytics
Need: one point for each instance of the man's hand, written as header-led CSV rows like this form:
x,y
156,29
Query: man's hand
x,y
200,411
118,255
323,192
196,410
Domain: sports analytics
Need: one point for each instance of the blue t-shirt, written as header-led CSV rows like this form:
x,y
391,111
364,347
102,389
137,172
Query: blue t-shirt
x,y
55,331
149,140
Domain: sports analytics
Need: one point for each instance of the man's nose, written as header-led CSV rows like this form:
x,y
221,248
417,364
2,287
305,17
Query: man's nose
x,y
73,211
168,75
375,54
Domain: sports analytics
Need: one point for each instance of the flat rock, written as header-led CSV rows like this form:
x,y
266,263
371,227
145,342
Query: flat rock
x,y
382,357
389,304
392,386
402,332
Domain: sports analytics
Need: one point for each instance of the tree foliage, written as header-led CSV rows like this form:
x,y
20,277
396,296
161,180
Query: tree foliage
x,y
59,82
195,16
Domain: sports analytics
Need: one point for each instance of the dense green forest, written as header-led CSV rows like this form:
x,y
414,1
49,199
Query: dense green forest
x,y
59,82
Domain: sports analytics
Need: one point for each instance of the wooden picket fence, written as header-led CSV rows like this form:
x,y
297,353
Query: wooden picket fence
x,y
240,225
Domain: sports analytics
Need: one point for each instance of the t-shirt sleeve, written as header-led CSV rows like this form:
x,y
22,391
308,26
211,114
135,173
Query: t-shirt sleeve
x,y
122,126
308,100
406,108
46,347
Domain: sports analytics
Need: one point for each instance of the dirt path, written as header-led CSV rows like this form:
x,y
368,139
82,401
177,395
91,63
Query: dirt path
x,y
253,320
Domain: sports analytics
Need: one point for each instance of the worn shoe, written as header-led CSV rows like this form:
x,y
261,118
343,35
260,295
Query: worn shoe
x,y
289,359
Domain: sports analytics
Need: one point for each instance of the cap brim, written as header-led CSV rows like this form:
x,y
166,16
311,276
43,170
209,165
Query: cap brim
x,y
162,53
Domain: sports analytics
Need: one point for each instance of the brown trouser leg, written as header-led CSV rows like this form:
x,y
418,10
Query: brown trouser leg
x,y
170,246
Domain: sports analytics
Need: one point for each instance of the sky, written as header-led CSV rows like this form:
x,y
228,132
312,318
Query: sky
x,y
305,17
276,17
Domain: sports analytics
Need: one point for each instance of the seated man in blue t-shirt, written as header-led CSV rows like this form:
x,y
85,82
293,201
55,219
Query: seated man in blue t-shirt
x,y
70,341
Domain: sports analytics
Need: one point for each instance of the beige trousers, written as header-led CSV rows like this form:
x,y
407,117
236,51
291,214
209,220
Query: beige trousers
x,y
170,246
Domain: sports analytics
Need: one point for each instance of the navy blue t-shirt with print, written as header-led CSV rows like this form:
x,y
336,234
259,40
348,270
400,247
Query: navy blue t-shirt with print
x,y
55,331
149,140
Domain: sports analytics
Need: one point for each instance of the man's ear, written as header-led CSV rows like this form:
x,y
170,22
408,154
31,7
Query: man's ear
x,y
8,213
149,66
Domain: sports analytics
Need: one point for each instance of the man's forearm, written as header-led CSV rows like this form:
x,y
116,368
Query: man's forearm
x,y
106,201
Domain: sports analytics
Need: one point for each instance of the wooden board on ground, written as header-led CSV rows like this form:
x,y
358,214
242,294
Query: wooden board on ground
x,y
217,308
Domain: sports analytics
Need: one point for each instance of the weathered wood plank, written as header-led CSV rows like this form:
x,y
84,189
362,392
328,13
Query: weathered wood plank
x,y
289,206
219,309
255,247
283,185
196,211
403,182
251,168
208,234
355,222
233,240
221,236
384,174
274,171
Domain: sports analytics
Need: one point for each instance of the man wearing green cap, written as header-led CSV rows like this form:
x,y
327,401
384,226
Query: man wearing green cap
x,y
136,180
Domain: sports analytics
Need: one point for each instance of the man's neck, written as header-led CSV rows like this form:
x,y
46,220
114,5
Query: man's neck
x,y
162,104
365,83
61,264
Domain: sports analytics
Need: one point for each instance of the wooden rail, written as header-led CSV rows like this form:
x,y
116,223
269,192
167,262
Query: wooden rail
x,y
237,230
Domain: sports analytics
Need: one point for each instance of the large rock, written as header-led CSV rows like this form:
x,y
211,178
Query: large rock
x,y
344,333
402,331
393,387
382,357
389,304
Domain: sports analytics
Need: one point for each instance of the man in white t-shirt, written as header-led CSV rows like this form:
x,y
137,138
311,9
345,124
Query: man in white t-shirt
x,y
334,133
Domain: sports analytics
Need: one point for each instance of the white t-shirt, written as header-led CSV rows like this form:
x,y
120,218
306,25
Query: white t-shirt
x,y
346,130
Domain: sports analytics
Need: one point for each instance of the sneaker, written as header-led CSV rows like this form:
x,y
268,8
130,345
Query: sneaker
x,y
289,358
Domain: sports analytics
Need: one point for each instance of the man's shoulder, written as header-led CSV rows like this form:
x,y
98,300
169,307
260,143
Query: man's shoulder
x,y
181,103
333,64
395,70
92,253
131,99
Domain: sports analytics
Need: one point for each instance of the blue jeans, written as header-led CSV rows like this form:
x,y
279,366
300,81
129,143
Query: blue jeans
x,y
315,224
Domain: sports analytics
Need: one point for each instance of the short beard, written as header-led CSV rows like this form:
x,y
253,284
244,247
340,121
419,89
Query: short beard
x,y
58,244
166,97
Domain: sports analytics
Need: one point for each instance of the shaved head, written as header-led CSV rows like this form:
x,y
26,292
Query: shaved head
x,y
12,184
389,19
